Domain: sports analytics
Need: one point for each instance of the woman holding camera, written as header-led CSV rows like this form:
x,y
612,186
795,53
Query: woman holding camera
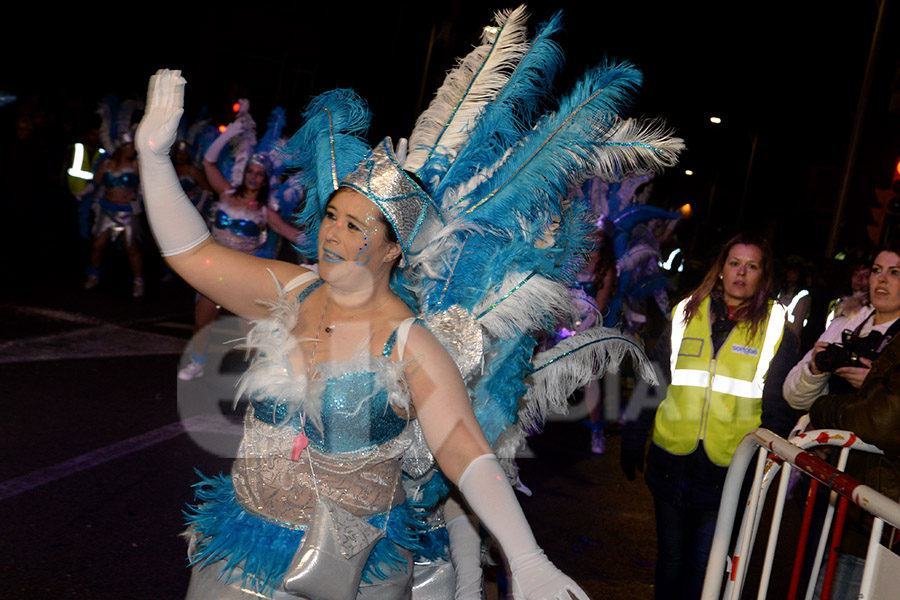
x,y
851,342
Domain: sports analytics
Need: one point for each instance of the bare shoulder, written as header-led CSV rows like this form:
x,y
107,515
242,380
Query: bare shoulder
x,y
423,344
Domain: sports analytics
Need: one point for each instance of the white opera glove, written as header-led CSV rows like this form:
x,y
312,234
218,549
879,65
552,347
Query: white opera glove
x,y
234,129
534,577
176,224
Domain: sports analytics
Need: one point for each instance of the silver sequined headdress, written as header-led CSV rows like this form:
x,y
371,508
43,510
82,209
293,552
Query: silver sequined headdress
x,y
381,178
494,158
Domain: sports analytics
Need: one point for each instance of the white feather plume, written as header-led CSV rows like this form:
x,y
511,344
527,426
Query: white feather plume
x,y
475,81
527,308
587,356
635,146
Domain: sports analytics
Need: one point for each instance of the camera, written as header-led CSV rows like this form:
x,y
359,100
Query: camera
x,y
848,353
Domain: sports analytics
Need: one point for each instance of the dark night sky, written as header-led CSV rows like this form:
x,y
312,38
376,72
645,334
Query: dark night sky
x,y
788,72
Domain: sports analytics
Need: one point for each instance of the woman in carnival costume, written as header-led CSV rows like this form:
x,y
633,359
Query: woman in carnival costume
x,y
412,344
240,218
117,207
114,193
619,212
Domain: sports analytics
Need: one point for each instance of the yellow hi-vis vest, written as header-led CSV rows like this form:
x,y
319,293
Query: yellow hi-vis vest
x,y
715,398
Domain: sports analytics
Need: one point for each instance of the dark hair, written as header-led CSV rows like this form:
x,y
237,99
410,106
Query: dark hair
x,y
262,196
757,310
892,246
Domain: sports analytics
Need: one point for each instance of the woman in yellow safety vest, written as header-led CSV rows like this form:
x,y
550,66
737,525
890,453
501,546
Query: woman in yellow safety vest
x,y
727,352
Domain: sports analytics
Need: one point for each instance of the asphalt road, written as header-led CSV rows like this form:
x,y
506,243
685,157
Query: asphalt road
x,y
99,454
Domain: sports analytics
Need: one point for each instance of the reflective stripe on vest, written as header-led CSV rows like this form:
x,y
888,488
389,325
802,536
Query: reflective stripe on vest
x,y
790,309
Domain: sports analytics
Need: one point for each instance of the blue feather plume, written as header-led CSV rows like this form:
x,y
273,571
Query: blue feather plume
x,y
326,147
277,121
503,122
540,170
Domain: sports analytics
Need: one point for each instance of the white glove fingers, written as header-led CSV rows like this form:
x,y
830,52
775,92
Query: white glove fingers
x,y
151,90
178,90
172,90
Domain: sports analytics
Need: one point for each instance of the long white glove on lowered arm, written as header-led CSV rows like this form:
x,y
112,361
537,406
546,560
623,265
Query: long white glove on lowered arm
x,y
490,496
176,224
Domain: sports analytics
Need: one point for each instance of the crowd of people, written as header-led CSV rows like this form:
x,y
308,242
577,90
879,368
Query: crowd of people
x,y
369,458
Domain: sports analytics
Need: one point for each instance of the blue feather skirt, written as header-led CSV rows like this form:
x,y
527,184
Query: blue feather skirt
x,y
258,552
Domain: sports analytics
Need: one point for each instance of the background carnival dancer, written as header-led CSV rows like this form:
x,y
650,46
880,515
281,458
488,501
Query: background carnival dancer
x,y
350,312
116,201
240,219
731,333
829,367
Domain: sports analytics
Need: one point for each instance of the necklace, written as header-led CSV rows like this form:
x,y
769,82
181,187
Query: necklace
x,y
331,326
315,340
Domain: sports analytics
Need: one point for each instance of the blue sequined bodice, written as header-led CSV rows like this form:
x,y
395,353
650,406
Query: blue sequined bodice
x,y
125,180
243,227
355,413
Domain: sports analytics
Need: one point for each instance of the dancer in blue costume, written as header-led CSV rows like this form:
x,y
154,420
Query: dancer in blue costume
x,y
240,218
117,206
353,398
344,368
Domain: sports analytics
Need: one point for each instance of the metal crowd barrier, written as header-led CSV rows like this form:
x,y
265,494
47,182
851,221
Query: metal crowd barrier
x,y
881,575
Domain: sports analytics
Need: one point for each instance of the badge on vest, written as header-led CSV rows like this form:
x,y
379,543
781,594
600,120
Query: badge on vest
x,y
745,350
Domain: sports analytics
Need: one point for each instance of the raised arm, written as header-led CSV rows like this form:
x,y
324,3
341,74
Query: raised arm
x,y
230,278
461,450
217,181
282,227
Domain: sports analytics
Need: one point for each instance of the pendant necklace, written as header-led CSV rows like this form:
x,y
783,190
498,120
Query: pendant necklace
x,y
331,326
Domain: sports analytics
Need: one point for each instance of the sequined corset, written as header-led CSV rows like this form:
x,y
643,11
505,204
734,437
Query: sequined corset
x,y
354,416
128,180
355,456
238,228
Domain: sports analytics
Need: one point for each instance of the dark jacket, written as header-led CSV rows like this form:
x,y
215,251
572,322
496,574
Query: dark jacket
x,y
873,414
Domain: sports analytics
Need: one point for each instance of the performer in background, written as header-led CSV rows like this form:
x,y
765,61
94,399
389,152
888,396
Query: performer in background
x,y
240,219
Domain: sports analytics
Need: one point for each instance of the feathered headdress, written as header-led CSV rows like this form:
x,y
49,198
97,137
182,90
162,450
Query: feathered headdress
x,y
116,126
490,275
625,216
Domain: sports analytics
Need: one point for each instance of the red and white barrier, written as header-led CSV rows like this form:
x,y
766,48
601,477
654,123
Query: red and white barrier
x,y
882,567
